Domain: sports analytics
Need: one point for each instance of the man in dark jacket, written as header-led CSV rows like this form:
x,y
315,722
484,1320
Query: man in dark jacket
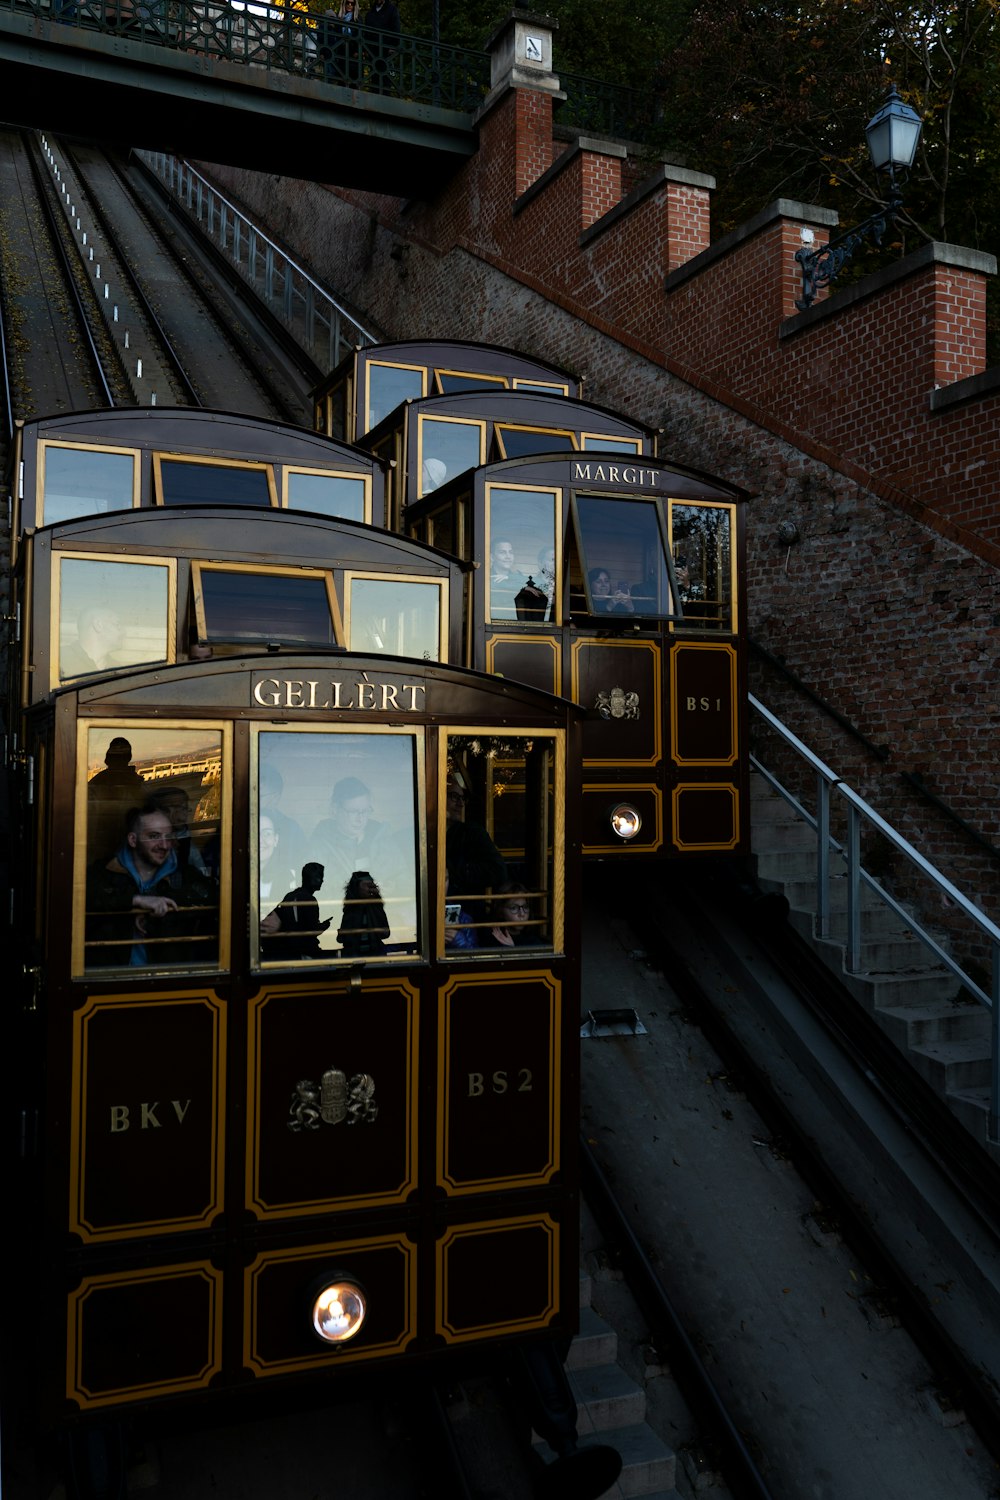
x,y
382,29
295,921
143,909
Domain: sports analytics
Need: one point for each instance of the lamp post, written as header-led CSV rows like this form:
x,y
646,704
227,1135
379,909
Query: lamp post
x,y
893,135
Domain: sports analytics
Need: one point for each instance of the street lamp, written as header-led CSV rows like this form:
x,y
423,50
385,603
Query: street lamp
x,y
893,134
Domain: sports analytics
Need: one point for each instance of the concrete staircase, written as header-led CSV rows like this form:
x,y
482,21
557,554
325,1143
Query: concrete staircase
x,y
611,1409
914,999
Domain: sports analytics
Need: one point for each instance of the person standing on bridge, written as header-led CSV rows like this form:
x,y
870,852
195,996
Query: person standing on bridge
x,y
382,29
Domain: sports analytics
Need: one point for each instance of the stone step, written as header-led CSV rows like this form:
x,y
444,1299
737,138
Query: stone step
x,y
954,1067
595,1344
925,1025
769,835
884,991
649,1467
606,1397
877,917
784,864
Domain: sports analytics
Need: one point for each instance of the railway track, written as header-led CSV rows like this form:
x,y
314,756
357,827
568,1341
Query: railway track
x,y
106,304
765,1284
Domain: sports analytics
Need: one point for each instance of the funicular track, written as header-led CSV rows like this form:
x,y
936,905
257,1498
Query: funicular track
x,y
105,304
697,941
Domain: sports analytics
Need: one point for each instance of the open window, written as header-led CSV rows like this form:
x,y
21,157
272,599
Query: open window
x,y
396,616
335,846
218,481
108,614
152,846
514,441
542,387
239,605
447,382
76,481
623,558
501,827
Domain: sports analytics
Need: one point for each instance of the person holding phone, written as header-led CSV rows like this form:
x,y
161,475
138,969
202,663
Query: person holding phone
x,y
458,931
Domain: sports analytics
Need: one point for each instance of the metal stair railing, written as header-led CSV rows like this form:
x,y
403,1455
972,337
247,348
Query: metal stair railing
x,y
325,330
858,812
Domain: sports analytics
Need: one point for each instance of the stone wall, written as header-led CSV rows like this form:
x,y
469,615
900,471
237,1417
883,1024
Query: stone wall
x,y
887,607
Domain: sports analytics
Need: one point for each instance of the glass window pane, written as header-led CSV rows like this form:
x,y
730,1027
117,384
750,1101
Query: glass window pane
x,y
518,442
624,563
499,843
604,444
337,409
702,547
266,607
84,482
327,494
447,449
522,534
111,614
154,799
212,484
450,381
336,849
388,387
395,617
540,385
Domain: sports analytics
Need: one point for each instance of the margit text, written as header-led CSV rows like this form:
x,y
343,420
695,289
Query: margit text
x,y
378,697
630,474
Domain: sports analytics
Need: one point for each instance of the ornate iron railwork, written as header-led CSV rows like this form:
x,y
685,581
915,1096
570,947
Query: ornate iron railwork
x,y
820,267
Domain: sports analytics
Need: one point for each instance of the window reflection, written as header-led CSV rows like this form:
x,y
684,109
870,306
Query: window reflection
x,y
523,572
701,537
181,482
623,556
388,387
604,444
447,448
85,482
395,617
347,807
450,381
153,800
500,833
111,614
235,606
340,495
519,442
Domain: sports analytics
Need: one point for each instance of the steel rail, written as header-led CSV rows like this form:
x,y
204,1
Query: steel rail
x,y
669,1333
67,266
145,306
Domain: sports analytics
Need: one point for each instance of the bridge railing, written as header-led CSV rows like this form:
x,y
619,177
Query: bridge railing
x,y
281,39
324,329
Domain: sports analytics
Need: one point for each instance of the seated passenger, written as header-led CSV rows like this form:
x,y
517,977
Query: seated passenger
x,y
144,906
511,910
364,925
609,600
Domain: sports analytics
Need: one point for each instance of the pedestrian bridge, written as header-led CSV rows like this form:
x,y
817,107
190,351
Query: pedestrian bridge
x,y
259,86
